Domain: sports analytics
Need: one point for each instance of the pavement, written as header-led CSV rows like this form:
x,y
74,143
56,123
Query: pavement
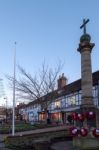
x,y
64,145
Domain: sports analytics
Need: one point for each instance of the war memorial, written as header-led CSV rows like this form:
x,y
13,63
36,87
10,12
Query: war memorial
x,y
88,139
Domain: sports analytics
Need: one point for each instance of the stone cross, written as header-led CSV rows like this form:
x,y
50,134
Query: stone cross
x,y
84,25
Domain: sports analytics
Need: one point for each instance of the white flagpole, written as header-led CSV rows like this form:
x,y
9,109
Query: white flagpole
x,y
14,79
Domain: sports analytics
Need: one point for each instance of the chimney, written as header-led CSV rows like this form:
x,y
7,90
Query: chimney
x,y
62,81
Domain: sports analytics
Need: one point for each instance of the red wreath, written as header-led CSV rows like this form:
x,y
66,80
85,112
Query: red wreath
x,y
83,132
74,131
74,116
95,132
81,117
90,115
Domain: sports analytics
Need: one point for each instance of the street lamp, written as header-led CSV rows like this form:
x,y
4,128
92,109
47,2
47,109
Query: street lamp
x,y
14,79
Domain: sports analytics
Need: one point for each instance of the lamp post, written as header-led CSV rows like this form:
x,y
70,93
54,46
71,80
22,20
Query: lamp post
x,y
14,78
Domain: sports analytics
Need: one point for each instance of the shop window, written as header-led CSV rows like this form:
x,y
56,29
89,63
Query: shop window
x,y
42,116
56,116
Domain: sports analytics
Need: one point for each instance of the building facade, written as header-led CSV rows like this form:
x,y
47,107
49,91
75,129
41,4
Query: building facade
x,y
68,100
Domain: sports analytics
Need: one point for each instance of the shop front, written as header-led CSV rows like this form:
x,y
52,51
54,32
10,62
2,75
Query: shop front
x,y
41,116
58,117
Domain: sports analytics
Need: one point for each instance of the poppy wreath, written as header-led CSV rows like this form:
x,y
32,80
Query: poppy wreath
x,y
74,116
95,133
90,115
83,132
80,117
74,131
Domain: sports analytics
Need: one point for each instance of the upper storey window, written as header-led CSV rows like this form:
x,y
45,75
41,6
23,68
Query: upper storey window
x,y
57,104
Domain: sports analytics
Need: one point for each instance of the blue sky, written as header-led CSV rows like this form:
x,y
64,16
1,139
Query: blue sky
x,y
46,30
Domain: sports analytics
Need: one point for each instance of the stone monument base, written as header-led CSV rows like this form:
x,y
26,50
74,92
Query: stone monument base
x,y
86,143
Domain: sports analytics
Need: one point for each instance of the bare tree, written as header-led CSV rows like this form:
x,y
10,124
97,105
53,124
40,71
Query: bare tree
x,y
41,87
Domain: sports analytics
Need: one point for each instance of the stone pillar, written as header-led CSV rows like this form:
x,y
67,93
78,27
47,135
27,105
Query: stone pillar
x,y
87,104
85,48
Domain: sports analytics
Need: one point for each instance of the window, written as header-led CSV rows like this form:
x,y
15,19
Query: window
x,y
63,102
72,101
52,106
79,98
49,107
57,104
95,95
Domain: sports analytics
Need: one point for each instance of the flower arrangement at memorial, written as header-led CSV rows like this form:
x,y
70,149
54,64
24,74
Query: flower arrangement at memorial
x,y
90,115
74,116
74,131
83,132
96,132
81,117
